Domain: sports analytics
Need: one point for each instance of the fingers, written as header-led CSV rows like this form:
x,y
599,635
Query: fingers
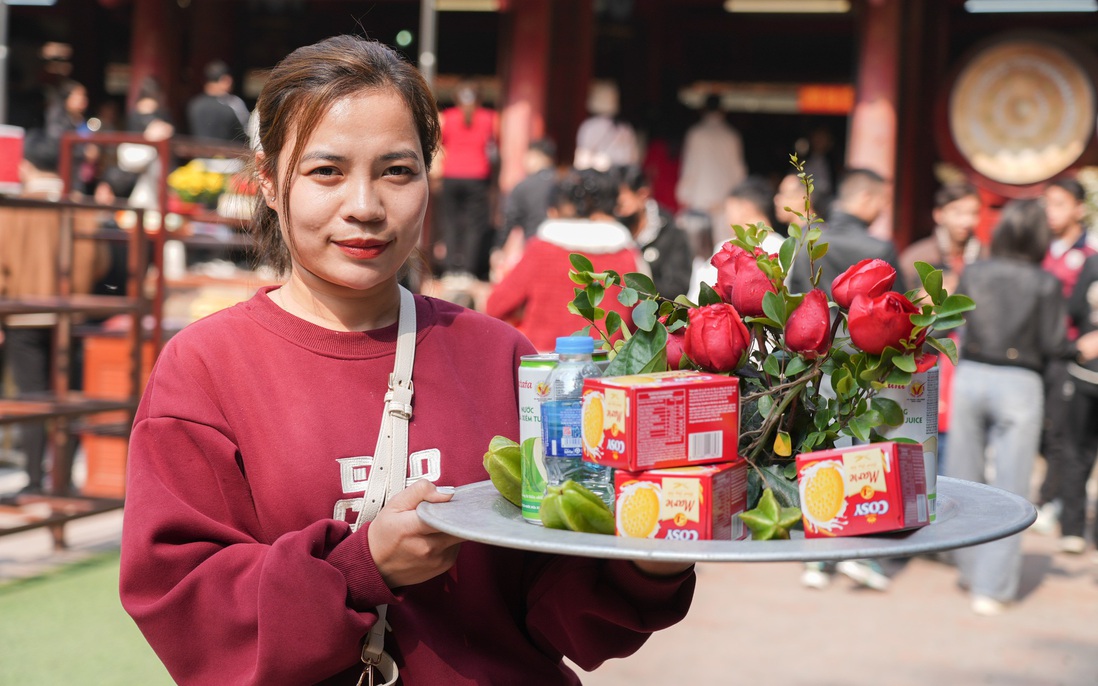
x,y
420,491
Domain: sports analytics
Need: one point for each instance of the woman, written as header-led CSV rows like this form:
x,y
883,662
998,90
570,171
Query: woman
x,y
251,450
1017,328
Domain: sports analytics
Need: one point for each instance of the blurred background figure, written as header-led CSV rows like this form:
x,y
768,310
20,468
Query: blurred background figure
x,y
791,194
534,296
663,245
66,111
863,196
470,138
1019,326
1065,209
712,165
953,243
605,139
527,206
950,247
1075,475
748,203
216,112
815,150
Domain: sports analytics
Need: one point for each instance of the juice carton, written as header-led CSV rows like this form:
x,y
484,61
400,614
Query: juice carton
x,y
683,503
919,402
667,419
862,489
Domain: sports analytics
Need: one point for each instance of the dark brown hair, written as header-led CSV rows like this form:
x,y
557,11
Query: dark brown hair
x,y
1022,232
299,92
952,192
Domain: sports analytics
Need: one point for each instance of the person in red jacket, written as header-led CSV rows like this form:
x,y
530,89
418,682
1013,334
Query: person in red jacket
x,y
253,447
534,295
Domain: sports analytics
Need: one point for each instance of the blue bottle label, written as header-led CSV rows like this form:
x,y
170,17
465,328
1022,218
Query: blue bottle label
x,y
561,422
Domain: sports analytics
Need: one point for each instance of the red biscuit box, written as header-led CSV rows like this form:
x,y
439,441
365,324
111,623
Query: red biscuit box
x,y
683,503
862,489
667,419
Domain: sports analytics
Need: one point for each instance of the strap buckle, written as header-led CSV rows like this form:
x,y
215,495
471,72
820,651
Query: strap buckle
x,y
398,400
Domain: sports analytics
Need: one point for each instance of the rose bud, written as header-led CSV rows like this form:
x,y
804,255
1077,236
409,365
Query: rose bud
x,y
716,338
880,322
925,362
868,277
808,329
740,282
675,351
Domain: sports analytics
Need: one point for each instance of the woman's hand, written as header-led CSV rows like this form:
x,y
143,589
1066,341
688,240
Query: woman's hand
x,y
405,550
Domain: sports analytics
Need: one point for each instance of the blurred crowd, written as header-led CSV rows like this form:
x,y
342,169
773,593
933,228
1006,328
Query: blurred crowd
x,y
1025,389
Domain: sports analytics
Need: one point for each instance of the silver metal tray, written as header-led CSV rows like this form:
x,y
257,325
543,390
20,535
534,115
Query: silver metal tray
x,y
968,513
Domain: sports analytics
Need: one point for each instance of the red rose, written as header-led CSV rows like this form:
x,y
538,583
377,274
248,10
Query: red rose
x,y
716,338
925,362
808,329
880,322
740,282
675,350
868,277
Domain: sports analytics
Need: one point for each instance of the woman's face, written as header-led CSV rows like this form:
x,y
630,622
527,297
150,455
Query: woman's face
x,y
357,197
1062,209
77,100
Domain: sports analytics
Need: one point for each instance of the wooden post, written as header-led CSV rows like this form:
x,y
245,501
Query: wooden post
x,y
526,83
872,139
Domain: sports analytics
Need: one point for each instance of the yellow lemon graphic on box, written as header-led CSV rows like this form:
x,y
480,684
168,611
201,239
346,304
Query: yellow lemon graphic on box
x,y
823,493
639,510
594,423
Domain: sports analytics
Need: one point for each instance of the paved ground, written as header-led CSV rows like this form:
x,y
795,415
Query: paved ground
x,y
755,623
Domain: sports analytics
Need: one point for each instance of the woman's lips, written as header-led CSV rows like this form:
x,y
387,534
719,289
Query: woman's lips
x,y
362,250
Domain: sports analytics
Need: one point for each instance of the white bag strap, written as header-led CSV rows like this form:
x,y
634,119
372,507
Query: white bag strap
x,y
389,469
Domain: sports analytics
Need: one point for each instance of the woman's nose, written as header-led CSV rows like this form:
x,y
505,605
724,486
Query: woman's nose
x,y
364,203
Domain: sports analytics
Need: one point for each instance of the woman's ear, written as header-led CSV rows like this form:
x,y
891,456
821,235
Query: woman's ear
x,y
267,185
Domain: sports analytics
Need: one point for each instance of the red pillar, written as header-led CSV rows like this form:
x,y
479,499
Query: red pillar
x,y
526,86
572,60
153,46
873,128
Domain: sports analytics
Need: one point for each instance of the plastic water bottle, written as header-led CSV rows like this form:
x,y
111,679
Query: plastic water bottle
x,y
562,419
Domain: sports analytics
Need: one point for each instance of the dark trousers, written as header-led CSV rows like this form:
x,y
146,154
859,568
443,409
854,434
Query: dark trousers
x,y
27,351
465,225
1058,439
1075,473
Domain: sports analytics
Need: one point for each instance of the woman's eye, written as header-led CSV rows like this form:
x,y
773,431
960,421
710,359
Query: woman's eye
x,y
324,171
399,170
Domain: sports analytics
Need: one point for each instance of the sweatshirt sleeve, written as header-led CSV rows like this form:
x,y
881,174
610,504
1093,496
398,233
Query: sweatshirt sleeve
x,y
592,610
218,602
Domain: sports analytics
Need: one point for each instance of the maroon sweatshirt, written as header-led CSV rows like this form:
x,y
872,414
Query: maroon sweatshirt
x,y
248,459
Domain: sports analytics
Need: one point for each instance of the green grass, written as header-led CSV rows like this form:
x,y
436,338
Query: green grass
x,y
68,627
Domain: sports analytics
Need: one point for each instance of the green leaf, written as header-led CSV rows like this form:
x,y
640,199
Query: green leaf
x,y
641,282
923,320
772,366
685,301
905,363
794,229
774,307
814,235
766,404
924,269
795,366
898,377
708,296
859,428
932,284
581,278
818,251
645,352
613,323
946,346
956,304
950,322
890,411
628,297
583,306
644,315
786,253
765,321
581,263
595,293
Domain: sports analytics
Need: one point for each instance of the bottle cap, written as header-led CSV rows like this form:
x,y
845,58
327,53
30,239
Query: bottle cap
x,y
575,345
